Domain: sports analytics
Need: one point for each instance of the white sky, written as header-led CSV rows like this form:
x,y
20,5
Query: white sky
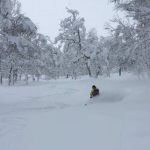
x,y
47,14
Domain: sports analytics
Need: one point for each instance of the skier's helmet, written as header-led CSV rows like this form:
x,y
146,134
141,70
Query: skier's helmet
x,y
93,87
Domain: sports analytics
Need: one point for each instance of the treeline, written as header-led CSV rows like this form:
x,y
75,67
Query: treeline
x,y
126,48
24,52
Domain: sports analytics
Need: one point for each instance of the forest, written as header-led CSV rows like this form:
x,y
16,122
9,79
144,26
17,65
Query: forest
x,y
25,53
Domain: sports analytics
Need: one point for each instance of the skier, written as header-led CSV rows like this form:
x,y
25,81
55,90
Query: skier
x,y
94,91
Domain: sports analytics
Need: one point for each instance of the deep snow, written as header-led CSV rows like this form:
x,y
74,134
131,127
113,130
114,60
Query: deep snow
x,y
52,115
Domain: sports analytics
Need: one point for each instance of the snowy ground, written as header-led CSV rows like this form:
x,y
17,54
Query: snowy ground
x,y
52,115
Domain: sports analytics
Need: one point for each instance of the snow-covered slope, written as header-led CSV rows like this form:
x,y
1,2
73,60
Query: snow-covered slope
x,y
52,115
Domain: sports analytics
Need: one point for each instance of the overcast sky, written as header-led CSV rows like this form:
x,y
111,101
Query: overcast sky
x,y
47,14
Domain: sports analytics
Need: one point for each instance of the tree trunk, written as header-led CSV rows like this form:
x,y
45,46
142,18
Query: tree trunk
x,y
26,78
99,72
80,46
67,76
120,71
15,75
1,78
88,69
33,78
108,72
10,76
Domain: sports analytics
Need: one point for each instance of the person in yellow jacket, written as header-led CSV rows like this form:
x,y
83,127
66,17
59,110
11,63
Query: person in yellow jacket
x,y
94,92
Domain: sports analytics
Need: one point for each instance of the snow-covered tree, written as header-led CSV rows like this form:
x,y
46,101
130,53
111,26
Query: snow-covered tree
x,y
16,32
138,11
121,45
50,57
72,36
5,16
91,53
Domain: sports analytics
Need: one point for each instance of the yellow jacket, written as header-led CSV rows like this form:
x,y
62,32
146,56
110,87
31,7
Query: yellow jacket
x,y
91,93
